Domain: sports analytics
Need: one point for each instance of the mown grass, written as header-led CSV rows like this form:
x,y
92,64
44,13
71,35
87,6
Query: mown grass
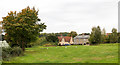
x,y
0,62
103,53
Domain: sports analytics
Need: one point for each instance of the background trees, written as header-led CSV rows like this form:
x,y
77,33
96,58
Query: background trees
x,y
98,36
52,38
107,39
114,36
95,36
72,34
62,33
103,36
118,37
23,27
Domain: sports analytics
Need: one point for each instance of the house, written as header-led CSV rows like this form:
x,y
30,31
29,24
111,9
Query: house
x,y
108,34
81,39
65,40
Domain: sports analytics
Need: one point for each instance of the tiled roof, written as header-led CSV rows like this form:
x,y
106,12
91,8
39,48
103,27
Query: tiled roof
x,y
67,39
60,38
108,33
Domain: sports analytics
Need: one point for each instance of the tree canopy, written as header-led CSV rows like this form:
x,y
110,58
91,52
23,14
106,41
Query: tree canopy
x,y
95,36
103,35
114,36
23,27
72,34
52,38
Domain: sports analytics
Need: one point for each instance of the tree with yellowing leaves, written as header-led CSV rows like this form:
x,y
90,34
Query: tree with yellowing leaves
x,y
23,27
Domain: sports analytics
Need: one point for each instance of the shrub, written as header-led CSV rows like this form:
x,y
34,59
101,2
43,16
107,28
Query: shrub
x,y
5,56
87,43
6,53
29,45
11,52
56,43
14,45
39,41
16,51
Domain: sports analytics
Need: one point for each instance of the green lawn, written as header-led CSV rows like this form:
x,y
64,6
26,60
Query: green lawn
x,y
103,53
0,62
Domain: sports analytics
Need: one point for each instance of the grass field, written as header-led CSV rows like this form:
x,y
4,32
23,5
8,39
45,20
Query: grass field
x,y
103,53
0,62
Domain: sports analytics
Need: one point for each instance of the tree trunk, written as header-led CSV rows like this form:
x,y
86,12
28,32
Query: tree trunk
x,y
23,47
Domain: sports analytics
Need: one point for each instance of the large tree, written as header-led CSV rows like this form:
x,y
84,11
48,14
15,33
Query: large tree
x,y
114,36
95,36
23,27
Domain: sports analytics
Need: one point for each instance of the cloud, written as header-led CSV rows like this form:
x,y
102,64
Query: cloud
x,y
68,15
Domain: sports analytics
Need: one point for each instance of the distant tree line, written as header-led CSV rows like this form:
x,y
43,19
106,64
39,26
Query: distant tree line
x,y
53,37
97,36
71,34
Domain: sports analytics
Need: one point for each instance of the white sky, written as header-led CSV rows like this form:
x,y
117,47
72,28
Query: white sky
x,y
69,15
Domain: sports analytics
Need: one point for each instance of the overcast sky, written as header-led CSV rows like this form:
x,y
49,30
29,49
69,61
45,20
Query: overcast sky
x,y
69,15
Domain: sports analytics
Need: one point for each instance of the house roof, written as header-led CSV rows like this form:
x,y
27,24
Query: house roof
x,y
82,37
67,39
108,33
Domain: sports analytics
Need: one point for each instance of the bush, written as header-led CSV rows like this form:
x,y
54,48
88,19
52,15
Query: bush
x,y
56,43
39,41
29,45
87,43
5,56
14,45
6,53
16,51
42,41
11,52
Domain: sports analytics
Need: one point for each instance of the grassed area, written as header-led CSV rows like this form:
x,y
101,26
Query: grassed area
x,y
103,53
0,62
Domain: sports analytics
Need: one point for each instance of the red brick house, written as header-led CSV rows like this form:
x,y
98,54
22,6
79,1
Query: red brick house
x,y
65,40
